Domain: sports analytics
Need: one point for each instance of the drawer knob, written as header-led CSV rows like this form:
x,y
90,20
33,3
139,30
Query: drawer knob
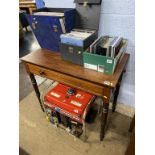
x,y
42,73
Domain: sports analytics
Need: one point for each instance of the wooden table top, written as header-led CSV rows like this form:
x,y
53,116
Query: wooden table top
x,y
27,2
52,60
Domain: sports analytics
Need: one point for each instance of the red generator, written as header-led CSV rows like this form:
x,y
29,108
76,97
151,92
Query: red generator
x,y
68,107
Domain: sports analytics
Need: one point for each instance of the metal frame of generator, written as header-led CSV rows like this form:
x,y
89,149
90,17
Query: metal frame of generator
x,y
59,116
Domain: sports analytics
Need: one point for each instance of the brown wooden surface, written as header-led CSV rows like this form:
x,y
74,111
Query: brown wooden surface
x,y
30,5
66,79
104,114
50,65
24,2
27,6
52,60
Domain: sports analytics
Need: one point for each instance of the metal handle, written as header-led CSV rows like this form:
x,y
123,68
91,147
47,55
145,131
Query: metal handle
x,y
70,49
55,28
34,25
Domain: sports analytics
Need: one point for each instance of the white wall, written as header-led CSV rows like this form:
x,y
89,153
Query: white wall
x,y
59,3
117,18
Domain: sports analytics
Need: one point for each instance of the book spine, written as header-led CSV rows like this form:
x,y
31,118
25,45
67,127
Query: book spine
x,y
114,44
108,51
62,25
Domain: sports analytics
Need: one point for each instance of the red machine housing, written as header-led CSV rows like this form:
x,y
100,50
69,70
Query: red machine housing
x,y
72,106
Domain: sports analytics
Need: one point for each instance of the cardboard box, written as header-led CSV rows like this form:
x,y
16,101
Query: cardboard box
x,y
104,64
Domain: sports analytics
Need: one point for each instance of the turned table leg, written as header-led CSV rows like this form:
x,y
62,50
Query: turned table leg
x,y
104,121
35,86
115,97
116,94
104,115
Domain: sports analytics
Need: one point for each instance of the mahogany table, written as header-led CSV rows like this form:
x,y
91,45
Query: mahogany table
x,y
49,64
29,5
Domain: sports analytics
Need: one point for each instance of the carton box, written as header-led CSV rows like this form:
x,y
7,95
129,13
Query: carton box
x,y
104,64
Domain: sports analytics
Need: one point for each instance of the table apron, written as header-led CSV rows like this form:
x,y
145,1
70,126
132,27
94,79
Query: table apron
x,y
68,80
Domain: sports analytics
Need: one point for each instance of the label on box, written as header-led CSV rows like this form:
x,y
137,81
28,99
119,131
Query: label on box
x,y
101,68
76,103
55,94
109,61
90,66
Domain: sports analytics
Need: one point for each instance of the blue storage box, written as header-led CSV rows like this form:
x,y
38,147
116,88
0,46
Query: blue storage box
x,y
49,23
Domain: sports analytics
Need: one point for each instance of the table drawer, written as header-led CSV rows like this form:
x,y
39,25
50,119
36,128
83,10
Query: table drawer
x,y
67,79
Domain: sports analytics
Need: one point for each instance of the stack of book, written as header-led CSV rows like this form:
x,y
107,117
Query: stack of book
x,y
107,46
104,54
77,37
57,14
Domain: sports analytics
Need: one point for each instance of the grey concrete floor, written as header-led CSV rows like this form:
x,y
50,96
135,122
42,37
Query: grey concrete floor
x,y
25,86
27,45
